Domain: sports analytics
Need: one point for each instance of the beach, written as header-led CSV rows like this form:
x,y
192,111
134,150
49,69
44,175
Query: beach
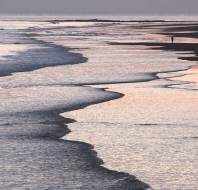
x,y
159,137
98,104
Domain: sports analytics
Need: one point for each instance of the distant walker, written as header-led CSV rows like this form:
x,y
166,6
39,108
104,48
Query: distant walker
x,y
172,39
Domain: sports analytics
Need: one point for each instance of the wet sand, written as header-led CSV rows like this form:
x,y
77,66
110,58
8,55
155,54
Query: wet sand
x,y
163,105
151,129
32,154
189,77
47,79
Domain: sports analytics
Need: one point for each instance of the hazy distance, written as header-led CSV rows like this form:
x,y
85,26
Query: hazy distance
x,y
98,6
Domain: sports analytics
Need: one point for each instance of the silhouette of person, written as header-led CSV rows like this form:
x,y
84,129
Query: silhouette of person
x,y
172,39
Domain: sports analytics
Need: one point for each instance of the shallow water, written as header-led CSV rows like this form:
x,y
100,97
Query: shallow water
x,y
150,132
43,66
164,156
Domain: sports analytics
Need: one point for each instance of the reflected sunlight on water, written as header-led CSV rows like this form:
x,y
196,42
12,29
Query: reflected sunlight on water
x,y
151,132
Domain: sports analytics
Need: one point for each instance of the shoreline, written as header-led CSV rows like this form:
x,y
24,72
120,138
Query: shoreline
x,y
86,124
108,86
47,124
43,118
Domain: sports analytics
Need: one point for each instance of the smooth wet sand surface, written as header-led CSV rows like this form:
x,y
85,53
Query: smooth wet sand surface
x,y
143,106
150,132
190,77
10,49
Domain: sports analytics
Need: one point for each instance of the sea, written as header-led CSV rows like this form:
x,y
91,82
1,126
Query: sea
x,y
98,102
